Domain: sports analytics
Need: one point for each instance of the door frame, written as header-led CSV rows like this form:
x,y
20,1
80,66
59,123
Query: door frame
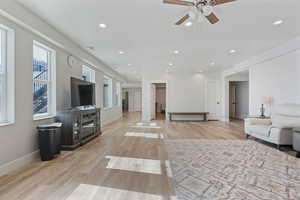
x,y
226,79
232,100
167,96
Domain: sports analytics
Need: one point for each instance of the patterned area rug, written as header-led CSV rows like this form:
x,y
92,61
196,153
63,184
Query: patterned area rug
x,y
232,170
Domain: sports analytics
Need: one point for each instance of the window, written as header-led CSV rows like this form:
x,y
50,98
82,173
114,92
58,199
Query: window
x,y
107,92
43,74
88,74
7,87
118,94
3,73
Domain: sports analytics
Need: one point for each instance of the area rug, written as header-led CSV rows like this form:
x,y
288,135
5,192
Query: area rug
x,y
232,170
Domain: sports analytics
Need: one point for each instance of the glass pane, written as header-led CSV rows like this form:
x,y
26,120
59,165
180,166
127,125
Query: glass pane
x,y
40,98
1,50
88,74
3,89
40,63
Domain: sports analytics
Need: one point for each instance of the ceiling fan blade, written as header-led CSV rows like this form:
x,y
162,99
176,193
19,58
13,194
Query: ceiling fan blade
x,y
212,18
183,19
218,2
179,2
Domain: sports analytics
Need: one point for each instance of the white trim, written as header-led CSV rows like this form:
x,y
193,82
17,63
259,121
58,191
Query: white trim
x,y
110,98
167,96
51,83
38,117
6,123
10,74
20,162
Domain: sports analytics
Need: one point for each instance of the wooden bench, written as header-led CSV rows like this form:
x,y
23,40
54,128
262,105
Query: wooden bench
x,y
204,114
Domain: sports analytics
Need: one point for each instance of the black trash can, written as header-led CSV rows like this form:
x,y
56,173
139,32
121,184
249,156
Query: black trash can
x,y
49,140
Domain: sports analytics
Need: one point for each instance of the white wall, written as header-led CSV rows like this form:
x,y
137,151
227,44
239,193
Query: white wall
x,y
275,73
134,98
185,90
278,78
19,142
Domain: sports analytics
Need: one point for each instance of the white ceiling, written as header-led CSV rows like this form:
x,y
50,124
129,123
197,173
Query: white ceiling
x,y
144,30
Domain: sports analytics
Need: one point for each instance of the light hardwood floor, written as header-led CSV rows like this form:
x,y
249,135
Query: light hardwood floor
x,y
114,166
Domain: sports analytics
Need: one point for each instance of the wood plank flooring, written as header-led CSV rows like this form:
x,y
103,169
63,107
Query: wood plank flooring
x,y
100,169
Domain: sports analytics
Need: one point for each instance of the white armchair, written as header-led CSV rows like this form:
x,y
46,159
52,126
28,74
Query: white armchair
x,y
277,130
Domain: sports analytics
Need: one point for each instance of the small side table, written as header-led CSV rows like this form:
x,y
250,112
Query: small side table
x,y
296,141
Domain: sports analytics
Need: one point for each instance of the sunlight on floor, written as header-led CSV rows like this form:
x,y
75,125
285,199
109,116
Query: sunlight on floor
x,y
145,135
92,192
146,125
134,164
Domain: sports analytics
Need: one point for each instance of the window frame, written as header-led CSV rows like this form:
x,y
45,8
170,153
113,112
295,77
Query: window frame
x,y
118,94
110,93
3,76
51,82
8,58
91,71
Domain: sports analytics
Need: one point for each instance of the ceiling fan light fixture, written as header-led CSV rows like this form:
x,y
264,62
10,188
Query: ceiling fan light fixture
x,y
192,14
207,10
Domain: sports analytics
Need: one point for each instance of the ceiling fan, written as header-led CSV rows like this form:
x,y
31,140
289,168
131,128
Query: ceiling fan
x,y
199,8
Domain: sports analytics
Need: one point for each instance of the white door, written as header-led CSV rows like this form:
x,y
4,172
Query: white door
x,y
212,99
153,100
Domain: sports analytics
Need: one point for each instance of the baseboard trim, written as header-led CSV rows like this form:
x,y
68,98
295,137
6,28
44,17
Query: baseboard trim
x,y
20,162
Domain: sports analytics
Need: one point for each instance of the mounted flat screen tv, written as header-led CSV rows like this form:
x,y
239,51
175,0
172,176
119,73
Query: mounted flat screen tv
x,y
82,93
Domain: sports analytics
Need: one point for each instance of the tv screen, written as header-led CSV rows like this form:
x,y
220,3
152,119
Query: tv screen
x,y
82,93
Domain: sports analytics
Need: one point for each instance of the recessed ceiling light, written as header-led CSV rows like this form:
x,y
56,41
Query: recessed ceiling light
x,y
129,64
102,25
200,71
121,52
171,64
212,63
232,51
189,23
278,22
176,52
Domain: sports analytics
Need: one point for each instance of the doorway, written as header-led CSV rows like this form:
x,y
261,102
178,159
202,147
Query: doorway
x,y
125,101
132,99
158,101
238,100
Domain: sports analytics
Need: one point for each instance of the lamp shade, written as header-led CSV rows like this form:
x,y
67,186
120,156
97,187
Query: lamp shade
x,y
267,100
